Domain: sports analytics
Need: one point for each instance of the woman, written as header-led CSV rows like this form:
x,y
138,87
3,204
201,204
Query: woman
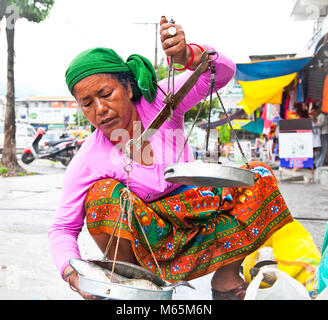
x,y
315,111
192,231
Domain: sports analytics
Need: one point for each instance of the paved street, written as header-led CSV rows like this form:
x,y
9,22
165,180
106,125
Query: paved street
x,y
27,206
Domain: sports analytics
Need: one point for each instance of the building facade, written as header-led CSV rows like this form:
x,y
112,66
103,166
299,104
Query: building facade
x,y
49,112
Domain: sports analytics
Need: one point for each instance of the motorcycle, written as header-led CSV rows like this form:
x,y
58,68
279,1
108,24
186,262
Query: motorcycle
x,y
62,150
79,143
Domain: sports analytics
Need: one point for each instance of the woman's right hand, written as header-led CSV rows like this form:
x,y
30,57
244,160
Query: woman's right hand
x,y
175,45
73,282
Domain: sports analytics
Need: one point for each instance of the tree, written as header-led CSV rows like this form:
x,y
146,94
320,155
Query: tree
x,y
35,11
191,114
80,119
224,134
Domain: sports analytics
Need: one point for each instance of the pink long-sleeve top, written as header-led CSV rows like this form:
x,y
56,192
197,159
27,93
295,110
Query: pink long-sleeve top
x,y
98,159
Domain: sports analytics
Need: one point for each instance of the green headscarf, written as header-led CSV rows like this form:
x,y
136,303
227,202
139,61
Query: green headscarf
x,y
103,60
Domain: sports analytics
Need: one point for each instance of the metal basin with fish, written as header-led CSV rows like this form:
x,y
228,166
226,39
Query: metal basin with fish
x,y
128,281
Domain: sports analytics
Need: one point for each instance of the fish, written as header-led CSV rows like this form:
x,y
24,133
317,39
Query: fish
x,y
149,285
181,283
96,272
92,271
140,284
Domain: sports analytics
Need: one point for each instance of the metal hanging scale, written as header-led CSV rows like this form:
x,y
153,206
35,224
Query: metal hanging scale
x,y
206,174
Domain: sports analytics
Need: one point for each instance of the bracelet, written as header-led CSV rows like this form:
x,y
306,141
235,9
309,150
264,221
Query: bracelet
x,y
68,275
199,47
72,288
190,62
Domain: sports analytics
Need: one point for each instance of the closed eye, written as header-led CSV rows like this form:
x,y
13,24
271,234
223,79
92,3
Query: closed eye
x,y
107,94
86,104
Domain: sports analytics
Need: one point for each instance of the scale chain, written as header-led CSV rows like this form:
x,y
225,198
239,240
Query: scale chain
x,y
127,198
212,86
170,75
233,130
193,125
210,92
170,69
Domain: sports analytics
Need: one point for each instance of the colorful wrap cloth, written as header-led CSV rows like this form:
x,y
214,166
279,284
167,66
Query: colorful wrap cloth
x,y
197,231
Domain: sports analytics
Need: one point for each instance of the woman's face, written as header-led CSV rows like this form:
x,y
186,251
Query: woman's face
x,y
105,102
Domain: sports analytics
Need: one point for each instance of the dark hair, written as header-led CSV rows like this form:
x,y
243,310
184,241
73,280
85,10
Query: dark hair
x,y
300,110
124,78
315,107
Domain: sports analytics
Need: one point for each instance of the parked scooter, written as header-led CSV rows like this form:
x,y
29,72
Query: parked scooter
x,y
79,143
62,150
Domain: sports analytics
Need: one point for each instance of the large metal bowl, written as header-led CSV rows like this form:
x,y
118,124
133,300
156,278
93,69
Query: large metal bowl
x,y
122,292
208,175
111,290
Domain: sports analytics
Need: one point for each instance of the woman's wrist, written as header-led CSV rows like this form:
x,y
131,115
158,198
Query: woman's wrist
x,y
192,57
197,54
68,271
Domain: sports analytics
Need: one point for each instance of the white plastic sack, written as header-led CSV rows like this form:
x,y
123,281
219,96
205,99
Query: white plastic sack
x,y
285,287
323,295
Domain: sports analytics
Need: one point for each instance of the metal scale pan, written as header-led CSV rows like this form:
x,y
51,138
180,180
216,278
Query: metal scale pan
x,y
117,291
208,175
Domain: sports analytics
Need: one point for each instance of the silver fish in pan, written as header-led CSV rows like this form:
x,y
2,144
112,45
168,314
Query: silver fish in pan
x,y
126,274
136,273
146,284
92,271
140,284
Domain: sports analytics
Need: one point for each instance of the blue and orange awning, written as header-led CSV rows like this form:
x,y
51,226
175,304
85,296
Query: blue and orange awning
x,y
263,81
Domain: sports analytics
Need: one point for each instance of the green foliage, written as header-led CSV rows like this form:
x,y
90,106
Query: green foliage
x,y
163,70
190,115
32,10
3,170
224,134
83,120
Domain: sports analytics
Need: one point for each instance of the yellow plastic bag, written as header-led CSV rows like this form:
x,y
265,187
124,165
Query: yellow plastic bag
x,y
295,253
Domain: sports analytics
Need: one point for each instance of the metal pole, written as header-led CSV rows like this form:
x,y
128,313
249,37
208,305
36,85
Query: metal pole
x,y
28,110
156,50
156,47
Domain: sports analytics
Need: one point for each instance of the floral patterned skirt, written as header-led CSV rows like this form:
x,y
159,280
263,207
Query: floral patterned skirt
x,y
194,232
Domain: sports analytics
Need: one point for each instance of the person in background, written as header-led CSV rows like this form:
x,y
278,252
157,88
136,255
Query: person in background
x,y
301,110
315,111
321,121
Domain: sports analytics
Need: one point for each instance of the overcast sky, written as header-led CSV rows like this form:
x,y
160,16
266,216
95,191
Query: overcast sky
x,y
237,28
